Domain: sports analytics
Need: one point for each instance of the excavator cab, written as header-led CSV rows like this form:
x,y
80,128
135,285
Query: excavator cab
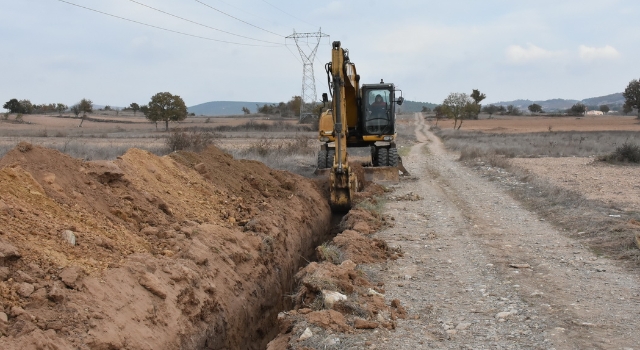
x,y
379,114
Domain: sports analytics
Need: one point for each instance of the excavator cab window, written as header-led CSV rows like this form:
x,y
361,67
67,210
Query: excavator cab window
x,y
377,106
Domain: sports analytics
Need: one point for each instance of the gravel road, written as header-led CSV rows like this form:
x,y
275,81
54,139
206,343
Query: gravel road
x,y
480,271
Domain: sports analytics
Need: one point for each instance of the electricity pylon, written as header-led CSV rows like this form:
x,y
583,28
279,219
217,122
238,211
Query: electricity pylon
x,y
312,41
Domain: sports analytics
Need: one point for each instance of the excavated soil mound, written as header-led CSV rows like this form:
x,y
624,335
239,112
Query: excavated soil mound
x,y
185,251
335,295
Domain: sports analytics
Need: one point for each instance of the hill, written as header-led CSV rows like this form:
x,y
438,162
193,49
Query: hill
x,y
414,106
614,101
219,108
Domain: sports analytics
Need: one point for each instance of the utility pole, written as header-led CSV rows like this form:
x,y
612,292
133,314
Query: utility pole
x,y
312,41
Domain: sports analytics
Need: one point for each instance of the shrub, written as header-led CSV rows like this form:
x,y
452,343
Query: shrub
x,y
330,253
627,153
190,141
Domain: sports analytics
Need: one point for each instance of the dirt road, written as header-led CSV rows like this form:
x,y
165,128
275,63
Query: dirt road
x,y
480,271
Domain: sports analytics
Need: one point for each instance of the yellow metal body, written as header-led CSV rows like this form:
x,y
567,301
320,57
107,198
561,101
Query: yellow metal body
x,y
343,181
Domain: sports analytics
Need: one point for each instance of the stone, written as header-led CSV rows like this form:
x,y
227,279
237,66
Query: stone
x,y
3,317
463,325
520,266
330,298
348,264
306,335
151,283
69,276
55,325
69,237
200,168
39,295
4,273
372,292
504,314
360,323
25,289
150,231
21,276
16,311
56,294
8,252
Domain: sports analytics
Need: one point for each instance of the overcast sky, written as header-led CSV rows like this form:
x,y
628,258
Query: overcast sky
x,y
51,51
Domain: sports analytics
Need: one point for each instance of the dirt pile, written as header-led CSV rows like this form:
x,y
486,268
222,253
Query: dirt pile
x,y
146,252
336,295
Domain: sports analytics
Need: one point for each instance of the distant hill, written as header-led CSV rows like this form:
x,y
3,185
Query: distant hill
x,y
614,101
220,108
413,106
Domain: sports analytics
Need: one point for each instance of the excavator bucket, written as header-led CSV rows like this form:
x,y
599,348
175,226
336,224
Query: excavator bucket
x,y
383,174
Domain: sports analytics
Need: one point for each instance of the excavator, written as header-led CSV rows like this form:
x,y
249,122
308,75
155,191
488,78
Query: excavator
x,y
360,116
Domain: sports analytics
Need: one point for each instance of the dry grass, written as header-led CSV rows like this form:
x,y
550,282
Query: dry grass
x,y
547,144
277,126
297,154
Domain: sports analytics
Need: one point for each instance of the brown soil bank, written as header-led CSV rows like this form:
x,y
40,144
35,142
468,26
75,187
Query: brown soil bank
x,y
186,251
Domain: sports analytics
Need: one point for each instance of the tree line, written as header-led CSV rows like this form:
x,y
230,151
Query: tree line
x,y
460,106
163,107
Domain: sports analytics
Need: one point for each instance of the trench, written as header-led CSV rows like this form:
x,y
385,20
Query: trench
x,y
255,330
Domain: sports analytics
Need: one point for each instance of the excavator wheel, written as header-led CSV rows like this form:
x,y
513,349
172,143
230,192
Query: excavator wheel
x,y
331,153
374,155
393,157
383,157
322,159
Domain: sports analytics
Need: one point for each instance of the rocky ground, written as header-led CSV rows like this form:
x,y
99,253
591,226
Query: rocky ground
x,y
479,271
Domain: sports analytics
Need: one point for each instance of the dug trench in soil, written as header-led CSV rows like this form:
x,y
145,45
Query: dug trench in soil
x,y
335,295
189,251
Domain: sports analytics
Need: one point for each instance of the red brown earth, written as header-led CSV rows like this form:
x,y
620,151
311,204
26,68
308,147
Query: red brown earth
x,y
183,251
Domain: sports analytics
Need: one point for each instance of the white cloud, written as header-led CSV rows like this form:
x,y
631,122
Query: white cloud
x,y
519,54
595,53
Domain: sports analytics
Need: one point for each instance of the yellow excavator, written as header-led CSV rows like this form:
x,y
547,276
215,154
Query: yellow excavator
x,y
360,116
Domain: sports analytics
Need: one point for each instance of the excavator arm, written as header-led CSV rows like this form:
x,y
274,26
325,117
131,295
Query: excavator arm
x,y
342,179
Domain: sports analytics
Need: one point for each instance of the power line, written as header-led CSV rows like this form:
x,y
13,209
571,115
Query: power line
x,y
288,14
237,19
161,28
203,25
247,12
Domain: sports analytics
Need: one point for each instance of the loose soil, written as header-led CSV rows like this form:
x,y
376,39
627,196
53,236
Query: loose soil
x,y
613,184
185,251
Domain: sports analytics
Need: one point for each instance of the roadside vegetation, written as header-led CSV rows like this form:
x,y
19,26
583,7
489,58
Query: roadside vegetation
x,y
472,144
607,229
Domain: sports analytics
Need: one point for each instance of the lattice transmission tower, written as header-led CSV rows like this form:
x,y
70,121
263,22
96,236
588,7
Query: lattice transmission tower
x,y
311,41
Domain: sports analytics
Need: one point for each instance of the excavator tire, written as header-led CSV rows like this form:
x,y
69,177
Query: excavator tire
x,y
393,157
330,155
383,157
322,159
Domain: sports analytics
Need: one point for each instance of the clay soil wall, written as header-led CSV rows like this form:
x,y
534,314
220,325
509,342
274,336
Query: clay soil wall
x,y
186,251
